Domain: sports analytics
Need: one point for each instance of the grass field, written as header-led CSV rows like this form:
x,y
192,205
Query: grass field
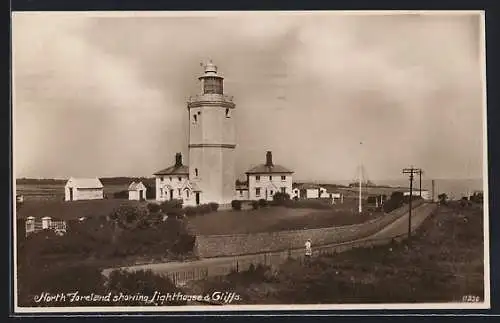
x,y
272,219
70,210
40,192
443,264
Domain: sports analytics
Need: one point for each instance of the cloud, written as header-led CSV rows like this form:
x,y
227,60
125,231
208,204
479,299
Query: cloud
x,y
309,87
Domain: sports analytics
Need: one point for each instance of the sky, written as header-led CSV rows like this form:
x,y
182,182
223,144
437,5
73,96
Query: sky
x,y
101,95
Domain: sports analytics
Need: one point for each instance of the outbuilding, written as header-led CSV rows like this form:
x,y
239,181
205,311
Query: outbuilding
x,y
137,191
83,189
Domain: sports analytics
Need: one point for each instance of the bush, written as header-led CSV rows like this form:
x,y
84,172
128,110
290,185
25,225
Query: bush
x,y
190,210
153,207
169,205
236,205
255,205
263,203
140,282
280,198
214,206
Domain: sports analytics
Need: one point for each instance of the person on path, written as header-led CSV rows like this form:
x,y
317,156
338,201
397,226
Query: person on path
x,y
308,251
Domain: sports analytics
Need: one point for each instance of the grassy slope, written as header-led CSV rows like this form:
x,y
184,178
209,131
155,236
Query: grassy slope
x,y
444,263
272,219
71,210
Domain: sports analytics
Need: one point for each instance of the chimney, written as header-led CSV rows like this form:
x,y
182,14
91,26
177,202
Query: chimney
x,y
178,160
269,158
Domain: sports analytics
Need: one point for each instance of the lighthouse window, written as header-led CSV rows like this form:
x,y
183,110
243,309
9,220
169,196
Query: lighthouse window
x,y
212,85
228,115
195,118
196,172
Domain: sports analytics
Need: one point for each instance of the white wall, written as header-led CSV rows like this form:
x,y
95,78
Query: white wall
x,y
88,193
163,184
312,193
426,195
215,164
241,195
265,184
135,195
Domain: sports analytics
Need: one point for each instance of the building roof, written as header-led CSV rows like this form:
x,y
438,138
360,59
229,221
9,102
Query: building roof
x,y
84,182
174,170
136,186
265,169
242,187
307,186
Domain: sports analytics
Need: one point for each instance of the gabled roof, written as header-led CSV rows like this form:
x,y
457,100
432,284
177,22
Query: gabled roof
x,y
242,187
264,169
174,170
84,182
308,186
136,186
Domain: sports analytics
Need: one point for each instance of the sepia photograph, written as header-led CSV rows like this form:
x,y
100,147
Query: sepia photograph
x,y
249,161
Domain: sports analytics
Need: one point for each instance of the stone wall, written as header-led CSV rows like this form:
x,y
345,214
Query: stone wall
x,y
208,246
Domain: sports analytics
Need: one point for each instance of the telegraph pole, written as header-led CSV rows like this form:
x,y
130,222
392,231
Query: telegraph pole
x,y
412,172
420,172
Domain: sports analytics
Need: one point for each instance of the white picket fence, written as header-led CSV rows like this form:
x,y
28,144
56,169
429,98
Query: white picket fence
x,y
46,223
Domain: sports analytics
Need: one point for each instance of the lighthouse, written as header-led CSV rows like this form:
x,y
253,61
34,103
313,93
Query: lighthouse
x,y
212,140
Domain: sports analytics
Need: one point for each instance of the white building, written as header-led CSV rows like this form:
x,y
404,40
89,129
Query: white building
x,y
210,176
173,183
83,189
241,192
266,179
137,191
426,195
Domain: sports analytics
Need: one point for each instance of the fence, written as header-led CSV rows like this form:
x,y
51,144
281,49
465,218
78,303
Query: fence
x,y
45,223
209,246
180,273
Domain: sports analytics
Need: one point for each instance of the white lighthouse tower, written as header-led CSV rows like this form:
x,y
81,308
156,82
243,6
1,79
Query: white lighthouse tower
x,y
212,140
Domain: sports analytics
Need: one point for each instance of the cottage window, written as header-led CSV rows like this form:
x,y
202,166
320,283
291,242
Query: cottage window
x,y
257,178
271,178
161,192
228,113
283,178
257,191
179,178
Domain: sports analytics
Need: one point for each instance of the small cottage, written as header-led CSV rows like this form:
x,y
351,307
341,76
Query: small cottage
x,y
83,189
137,191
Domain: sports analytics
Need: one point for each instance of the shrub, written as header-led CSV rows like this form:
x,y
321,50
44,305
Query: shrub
x,y
204,209
255,205
140,282
236,205
190,210
169,205
262,203
153,207
214,206
280,198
